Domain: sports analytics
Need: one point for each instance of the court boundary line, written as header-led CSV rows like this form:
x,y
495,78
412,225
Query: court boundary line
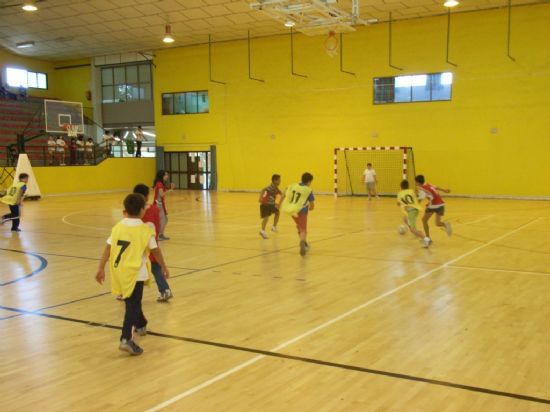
x,y
328,323
521,272
265,353
43,265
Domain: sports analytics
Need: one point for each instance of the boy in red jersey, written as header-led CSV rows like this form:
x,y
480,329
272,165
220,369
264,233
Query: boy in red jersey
x,y
268,205
435,205
152,215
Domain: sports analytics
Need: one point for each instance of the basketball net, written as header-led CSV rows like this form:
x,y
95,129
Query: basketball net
x,y
72,130
331,44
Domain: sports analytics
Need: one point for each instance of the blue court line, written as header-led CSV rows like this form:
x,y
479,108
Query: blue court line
x,y
43,265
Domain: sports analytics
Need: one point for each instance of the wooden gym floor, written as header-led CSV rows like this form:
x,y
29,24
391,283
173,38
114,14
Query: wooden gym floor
x,y
368,321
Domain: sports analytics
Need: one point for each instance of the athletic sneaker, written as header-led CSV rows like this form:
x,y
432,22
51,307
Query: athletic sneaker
x,y
263,234
303,248
162,237
141,331
448,228
130,346
307,246
274,229
119,297
16,230
165,296
426,242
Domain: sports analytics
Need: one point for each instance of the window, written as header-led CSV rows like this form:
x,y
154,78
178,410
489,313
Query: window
x,y
126,83
23,78
185,102
413,88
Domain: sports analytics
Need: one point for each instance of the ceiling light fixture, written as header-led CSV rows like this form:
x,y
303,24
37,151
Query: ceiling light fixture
x,y
451,3
168,35
29,5
25,45
290,23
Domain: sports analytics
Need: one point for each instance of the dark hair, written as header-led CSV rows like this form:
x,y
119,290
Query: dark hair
x,y
139,127
275,177
23,176
419,179
369,164
404,184
306,178
133,203
159,177
142,190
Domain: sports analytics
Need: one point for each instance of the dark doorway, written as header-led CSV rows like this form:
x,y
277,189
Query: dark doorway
x,y
189,170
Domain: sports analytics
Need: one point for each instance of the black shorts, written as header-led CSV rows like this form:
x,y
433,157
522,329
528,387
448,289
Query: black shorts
x,y
440,211
267,210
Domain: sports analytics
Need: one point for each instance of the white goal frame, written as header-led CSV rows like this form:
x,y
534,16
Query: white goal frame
x,y
403,149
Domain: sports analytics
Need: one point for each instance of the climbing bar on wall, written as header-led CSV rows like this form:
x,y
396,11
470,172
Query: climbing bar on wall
x,y
342,57
250,64
210,62
292,56
509,30
390,26
449,38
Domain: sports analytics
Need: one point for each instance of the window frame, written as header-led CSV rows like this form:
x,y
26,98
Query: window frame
x,y
27,72
173,94
139,85
430,77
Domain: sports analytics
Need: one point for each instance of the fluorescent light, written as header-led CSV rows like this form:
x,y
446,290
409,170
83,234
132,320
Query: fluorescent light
x,y
29,6
149,134
25,45
168,35
451,3
290,23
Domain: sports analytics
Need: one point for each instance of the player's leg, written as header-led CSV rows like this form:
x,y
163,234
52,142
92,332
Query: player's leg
x,y
162,284
302,230
131,317
163,223
276,216
140,320
264,214
445,225
427,215
15,209
412,216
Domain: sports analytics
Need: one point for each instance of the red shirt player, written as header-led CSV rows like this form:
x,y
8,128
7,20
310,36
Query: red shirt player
x,y
435,205
152,215
160,192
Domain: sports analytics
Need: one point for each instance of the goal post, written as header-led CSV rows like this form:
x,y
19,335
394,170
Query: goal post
x,y
391,163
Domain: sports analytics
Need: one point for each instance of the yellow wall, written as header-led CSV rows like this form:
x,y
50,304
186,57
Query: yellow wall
x,y
290,124
73,82
111,174
9,59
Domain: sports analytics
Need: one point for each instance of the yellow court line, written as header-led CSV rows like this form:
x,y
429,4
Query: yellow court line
x,y
326,324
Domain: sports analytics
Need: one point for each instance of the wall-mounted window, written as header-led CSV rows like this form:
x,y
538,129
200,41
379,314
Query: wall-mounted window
x,y
24,78
120,84
185,102
413,88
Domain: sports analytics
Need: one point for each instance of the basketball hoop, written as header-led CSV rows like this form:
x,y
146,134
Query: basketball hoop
x,y
331,44
71,129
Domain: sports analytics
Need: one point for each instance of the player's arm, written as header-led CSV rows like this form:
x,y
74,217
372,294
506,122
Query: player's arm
x,y
443,190
100,275
312,205
262,195
157,253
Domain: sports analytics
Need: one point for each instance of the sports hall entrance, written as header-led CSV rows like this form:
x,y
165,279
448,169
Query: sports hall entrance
x,y
189,170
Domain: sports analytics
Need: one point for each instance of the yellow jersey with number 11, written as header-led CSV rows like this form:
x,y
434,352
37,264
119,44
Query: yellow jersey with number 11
x,y
407,198
296,198
129,244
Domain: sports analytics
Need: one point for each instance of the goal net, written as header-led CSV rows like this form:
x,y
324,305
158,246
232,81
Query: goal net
x,y
392,164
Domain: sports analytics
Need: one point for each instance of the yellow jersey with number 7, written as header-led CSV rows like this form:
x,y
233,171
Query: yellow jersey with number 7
x,y
296,198
128,246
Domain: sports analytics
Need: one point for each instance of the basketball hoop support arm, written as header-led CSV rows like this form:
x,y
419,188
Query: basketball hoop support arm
x,y
292,56
342,57
210,62
250,64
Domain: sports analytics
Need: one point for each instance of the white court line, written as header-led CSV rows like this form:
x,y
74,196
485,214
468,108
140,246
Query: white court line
x,y
64,220
344,315
521,272
478,220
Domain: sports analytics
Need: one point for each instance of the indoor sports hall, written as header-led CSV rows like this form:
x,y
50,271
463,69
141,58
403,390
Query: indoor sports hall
x,y
203,102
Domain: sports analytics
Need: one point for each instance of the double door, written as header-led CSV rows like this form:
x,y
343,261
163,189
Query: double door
x,y
189,170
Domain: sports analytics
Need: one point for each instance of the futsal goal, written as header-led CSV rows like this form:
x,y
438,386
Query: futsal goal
x,y
391,163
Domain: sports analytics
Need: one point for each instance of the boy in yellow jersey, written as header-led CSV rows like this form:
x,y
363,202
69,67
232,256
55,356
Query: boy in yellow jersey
x,y
408,201
127,251
297,201
13,199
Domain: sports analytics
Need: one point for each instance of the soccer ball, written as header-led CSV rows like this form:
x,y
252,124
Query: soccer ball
x,y
402,229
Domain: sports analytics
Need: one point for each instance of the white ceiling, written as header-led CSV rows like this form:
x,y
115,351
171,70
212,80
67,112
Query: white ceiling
x,y
63,29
